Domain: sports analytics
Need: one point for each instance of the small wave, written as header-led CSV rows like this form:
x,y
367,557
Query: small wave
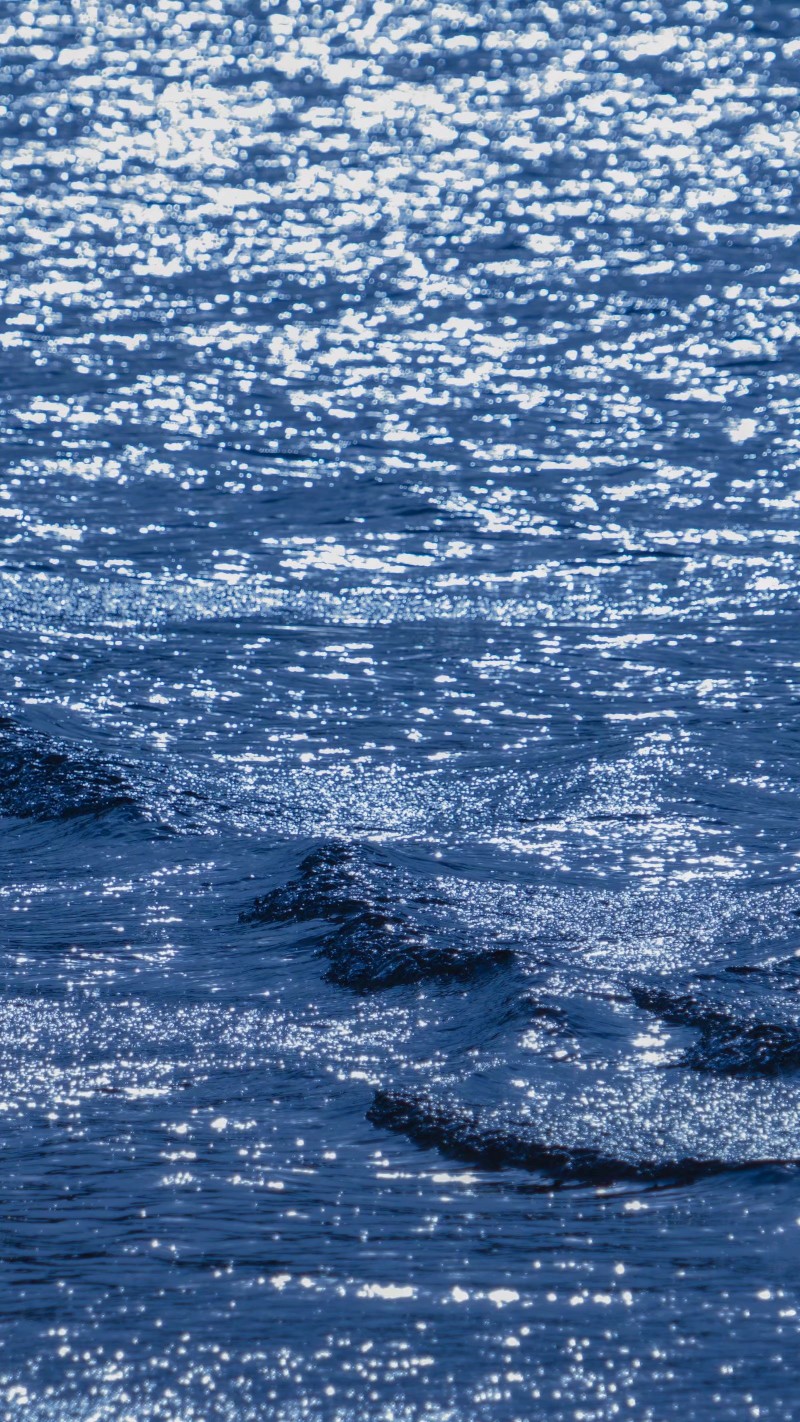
x,y
737,1035
43,780
377,939
475,1138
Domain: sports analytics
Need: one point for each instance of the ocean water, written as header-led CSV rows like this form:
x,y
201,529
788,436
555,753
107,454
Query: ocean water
x,y
399,747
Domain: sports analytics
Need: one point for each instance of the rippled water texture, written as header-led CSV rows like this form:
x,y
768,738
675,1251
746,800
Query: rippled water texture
x,y
399,755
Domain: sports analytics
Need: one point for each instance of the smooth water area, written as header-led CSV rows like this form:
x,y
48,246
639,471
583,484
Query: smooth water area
x,y
399,749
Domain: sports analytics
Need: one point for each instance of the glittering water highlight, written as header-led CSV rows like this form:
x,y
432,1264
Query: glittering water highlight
x,y
398,756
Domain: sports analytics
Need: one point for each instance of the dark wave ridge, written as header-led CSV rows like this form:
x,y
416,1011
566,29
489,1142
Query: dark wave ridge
x,y
739,1033
475,1138
43,779
378,936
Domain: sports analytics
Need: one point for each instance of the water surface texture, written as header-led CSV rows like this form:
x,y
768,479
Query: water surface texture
x,y
399,752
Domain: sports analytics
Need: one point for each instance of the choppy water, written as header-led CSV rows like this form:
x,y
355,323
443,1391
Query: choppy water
x,y
399,747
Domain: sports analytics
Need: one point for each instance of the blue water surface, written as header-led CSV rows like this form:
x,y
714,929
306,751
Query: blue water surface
x,y
399,749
